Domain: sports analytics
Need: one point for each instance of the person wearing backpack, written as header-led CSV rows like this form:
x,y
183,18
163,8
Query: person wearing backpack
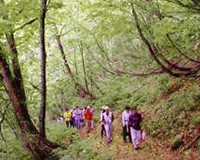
x,y
108,119
135,129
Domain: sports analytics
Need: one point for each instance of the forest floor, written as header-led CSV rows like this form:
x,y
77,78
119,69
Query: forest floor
x,y
151,148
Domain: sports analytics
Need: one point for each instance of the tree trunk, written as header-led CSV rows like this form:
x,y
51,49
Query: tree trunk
x,y
26,131
80,89
43,71
83,65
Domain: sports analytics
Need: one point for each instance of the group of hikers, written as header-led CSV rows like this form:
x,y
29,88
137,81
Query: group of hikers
x,y
79,117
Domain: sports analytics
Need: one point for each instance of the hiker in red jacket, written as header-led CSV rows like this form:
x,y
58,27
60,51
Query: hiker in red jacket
x,y
134,121
88,119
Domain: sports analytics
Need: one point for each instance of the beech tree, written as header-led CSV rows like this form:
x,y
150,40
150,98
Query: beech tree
x,y
32,140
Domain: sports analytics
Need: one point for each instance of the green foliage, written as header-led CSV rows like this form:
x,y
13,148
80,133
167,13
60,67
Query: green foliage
x,y
12,149
195,119
176,142
198,145
110,43
177,111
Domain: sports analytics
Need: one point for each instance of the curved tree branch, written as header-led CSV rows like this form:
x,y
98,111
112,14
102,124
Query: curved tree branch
x,y
151,47
175,65
193,7
179,50
119,71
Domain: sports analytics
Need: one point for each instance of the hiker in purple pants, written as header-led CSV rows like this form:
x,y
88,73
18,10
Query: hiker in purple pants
x,y
77,117
135,129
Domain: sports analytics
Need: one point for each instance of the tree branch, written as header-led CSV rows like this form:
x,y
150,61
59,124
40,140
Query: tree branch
x,y
152,48
179,50
64,57
102,50
175,66
119,71
26,24
83,65
187,6
35,87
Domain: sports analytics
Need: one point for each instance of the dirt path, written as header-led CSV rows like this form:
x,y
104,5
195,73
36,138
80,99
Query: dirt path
x,y
151,149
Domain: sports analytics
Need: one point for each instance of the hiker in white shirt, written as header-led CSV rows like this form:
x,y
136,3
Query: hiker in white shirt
x,y
103,131
125,123
108,119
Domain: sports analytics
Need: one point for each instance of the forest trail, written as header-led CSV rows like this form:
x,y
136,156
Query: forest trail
x,y
151,148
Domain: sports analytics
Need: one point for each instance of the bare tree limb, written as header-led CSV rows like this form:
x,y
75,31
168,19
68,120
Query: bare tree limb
x,y
35,87
26,24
